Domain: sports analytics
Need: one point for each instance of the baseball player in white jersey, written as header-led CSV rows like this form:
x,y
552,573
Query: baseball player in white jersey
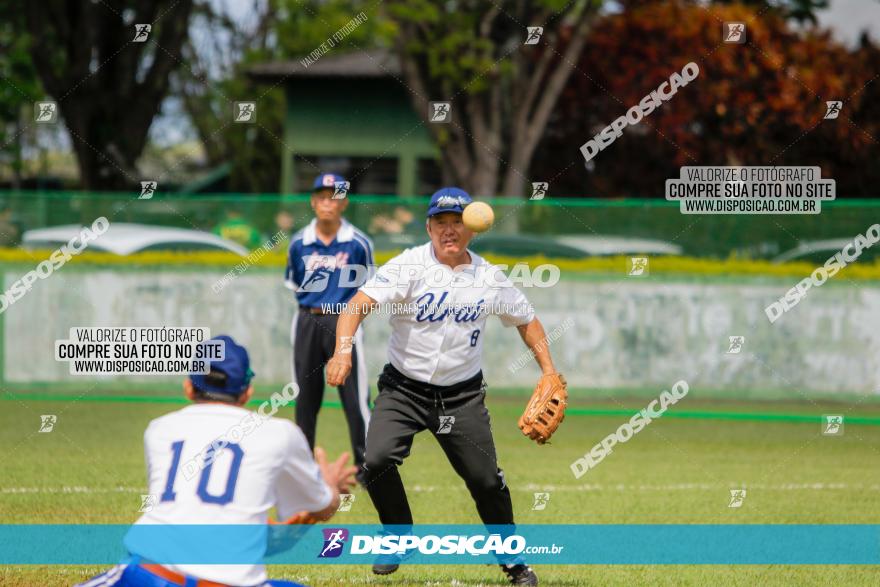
x,y
434,379
215,462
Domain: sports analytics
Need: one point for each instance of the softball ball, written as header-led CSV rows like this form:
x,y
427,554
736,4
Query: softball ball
x,y
478,216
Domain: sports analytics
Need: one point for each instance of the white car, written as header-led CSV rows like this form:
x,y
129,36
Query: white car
x,y
817,252
597,244
123,238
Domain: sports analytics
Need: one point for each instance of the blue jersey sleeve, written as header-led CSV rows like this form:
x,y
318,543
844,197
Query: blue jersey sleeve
x,y
363,253
293,275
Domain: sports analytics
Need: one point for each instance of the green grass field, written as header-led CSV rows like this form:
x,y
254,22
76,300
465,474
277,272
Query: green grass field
x,y
90,469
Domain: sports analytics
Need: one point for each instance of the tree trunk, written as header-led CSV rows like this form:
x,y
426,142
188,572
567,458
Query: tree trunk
x,y
497,125
535,111
108,88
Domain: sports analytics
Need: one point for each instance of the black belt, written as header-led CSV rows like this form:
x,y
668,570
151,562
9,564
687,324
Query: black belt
x,y
318,311
394,379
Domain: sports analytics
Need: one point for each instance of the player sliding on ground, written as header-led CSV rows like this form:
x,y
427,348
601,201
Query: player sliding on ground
x,y
434,378
271,465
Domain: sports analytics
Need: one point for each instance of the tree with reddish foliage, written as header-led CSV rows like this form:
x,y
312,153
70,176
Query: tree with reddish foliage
x,y
757,103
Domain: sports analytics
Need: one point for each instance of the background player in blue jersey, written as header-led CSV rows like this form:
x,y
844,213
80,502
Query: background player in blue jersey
x,y
316,260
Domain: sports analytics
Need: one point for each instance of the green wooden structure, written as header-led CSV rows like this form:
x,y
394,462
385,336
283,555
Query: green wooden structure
x,y
351,112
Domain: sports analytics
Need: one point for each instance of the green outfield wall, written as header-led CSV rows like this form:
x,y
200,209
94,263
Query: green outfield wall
x,y
609,333
612,333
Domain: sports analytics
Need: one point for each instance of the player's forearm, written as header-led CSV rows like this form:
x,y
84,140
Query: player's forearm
x,y
535,338
355,311
328,511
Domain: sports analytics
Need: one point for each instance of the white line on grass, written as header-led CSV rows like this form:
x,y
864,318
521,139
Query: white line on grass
x,y
525,488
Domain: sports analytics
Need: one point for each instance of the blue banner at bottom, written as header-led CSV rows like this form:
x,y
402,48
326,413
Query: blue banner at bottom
x,y
565,544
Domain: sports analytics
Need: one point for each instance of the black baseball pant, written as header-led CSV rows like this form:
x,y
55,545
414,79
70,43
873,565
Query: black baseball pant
x,y
314,341
405,407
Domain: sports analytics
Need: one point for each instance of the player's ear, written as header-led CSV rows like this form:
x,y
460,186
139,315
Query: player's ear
x,y
244,398
188,390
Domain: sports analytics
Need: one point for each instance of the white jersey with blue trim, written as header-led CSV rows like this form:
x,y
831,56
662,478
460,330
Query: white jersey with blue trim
x,y
266,463
438,314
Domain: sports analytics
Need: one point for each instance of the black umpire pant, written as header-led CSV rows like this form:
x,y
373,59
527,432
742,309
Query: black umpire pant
x,y
405,407
314,341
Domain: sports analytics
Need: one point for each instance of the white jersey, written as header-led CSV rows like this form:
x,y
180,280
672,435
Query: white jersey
x,y
438,315
270,466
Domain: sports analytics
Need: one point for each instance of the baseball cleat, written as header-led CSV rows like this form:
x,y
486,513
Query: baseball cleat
x,y
520,574
388,563
384,569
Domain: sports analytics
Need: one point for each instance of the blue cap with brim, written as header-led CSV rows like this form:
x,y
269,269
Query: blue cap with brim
x,y
326,181
448,200
231,375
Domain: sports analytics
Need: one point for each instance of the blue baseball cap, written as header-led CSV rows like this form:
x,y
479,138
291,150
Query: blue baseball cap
x,y
326,181
448,200
232,375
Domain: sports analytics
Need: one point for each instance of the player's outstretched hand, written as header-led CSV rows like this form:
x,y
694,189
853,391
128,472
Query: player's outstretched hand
x,y
339,473
338,368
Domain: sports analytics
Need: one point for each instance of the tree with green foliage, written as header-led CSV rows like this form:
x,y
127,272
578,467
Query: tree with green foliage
x,y
19,87
502,91
213,78
108,87
215,74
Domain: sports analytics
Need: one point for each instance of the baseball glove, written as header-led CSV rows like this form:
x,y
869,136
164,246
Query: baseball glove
x,y
546,409
283,536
